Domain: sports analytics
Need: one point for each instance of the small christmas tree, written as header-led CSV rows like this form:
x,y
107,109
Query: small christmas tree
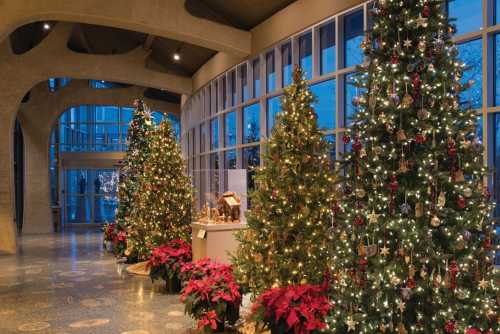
x,y
165,196
291,206
414,253
138,137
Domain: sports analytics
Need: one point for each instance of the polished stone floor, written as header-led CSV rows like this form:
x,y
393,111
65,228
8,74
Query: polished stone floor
x,y
67,283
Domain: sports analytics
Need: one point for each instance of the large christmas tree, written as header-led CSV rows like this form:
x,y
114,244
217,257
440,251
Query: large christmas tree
x,y
291,206
414,253
165,197
138,137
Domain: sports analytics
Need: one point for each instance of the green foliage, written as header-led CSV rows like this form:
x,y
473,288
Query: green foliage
x,y
291,206
413,251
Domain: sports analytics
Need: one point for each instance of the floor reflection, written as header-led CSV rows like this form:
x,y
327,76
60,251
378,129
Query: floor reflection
x,y
67,283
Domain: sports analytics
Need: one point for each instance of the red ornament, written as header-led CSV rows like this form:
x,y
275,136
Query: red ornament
x,y
359,221
450,326
452,148
394,59
346,139
356,146
461,202
419,138
487,193
426,12
394,185
487,244
416,81
473,330
411,283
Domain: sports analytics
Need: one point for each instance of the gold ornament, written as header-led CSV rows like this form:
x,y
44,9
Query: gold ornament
x,y
423,114
419,209
441,200
407,101
360,193
351,324
373,217
407,43
401,135
421,21
384,251
467,192
483,284
402,329
403,166
421,46
402,306
459,176
435,221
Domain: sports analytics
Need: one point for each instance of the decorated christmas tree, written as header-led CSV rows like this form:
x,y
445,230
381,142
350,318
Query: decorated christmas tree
x,y
291,206
414,252
138,137
165,196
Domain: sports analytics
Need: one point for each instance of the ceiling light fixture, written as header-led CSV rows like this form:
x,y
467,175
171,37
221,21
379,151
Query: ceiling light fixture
x,y
46,26
176,56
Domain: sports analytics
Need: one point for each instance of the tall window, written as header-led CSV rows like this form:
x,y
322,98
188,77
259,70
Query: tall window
x,y
353,35
256,77
286,64
327,46
251,159
203,137
230,129
245,95
251,124
230,159
468,15
273,108
224,92
471,53
214,134
305,54
325,105
270,72
232,87
56,83
497,69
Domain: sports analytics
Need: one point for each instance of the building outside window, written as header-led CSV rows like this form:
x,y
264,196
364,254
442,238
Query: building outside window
x,y
251,124
353,36
245,94
286,64
214,134
273,108
256,77
468,15
325,104
270,72
230,129
305,54
471,53
327,47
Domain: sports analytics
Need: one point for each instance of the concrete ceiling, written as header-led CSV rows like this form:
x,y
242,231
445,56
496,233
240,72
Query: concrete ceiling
x,y
241,14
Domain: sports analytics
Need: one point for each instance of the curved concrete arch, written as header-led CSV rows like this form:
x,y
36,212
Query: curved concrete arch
x,y
37,118
51,58
164,18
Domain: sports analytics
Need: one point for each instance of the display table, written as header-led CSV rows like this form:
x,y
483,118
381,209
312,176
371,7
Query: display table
x,y
215,241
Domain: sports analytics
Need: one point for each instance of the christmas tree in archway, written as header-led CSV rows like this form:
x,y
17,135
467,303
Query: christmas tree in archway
x,y
414,253
138,137
165,198
291,206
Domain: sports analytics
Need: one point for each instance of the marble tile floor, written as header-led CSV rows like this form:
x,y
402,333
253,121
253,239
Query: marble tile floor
x,y
66,283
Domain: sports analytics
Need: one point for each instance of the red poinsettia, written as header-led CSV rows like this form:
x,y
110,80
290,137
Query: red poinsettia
x,y
167,260
211,295
300,309
109,231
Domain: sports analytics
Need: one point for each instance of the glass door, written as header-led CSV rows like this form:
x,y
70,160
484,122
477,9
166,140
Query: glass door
x,y
90,195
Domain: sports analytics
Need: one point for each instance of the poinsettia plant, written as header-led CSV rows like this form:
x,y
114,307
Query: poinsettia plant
x,y
109,231
211,295
297,309
117,237
167,260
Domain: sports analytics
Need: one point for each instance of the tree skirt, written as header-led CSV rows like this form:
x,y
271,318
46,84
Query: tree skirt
x,y
140,269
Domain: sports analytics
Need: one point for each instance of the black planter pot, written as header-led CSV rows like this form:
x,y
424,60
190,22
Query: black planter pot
x,y
279,328
173,285
232,314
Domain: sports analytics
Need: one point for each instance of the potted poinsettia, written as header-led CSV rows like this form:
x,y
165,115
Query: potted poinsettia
x,y
212,296
294,309
166,262
109,232
119,242
202,268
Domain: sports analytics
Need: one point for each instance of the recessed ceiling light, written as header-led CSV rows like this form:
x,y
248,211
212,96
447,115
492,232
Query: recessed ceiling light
x,y
177,56
46,26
